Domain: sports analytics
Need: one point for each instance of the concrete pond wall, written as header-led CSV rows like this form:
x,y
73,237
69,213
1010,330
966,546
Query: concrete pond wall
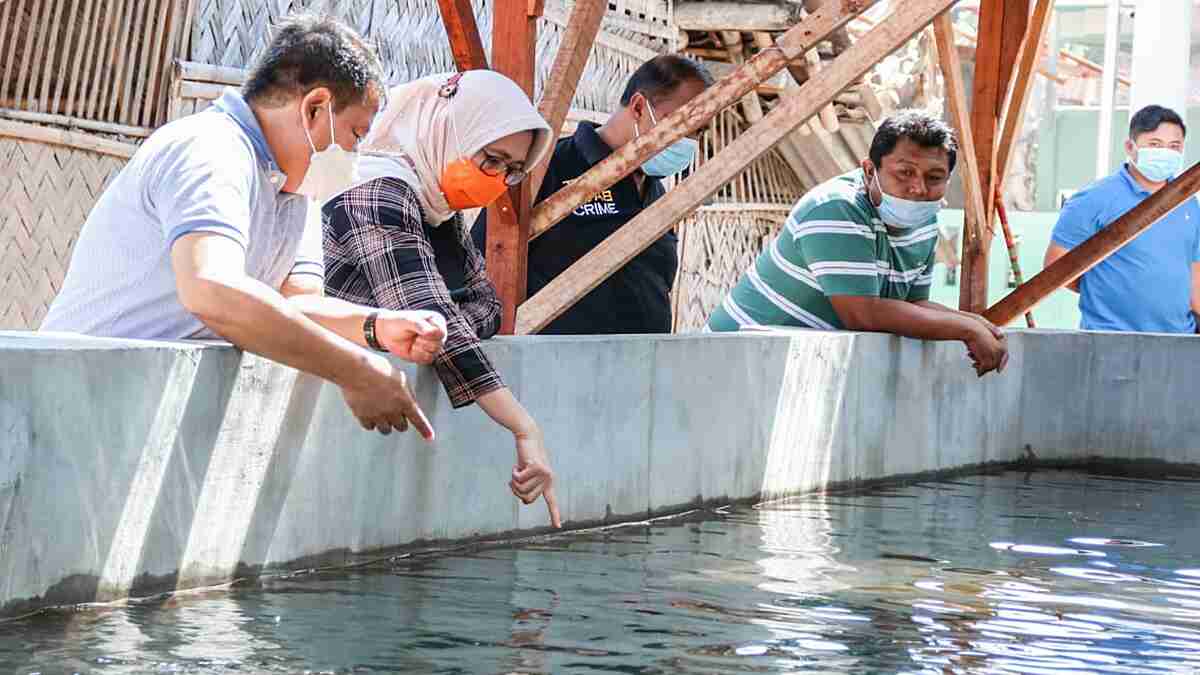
x,y
130,468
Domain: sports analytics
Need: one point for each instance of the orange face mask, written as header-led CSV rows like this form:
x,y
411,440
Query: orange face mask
x,y
466,186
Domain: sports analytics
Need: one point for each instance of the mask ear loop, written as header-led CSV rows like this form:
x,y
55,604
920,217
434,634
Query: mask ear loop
x,y
307,135
332,133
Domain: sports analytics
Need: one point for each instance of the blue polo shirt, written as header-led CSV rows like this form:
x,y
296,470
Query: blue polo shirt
x,y
209,172
1146,285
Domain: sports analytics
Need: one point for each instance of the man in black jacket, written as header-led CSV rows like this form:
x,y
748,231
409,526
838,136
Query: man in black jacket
x,y
637,298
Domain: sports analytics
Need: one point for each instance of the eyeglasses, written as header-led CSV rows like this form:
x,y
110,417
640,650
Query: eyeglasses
x,y
494,166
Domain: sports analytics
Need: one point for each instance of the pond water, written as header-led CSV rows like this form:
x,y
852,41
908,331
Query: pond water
x,y
1051,571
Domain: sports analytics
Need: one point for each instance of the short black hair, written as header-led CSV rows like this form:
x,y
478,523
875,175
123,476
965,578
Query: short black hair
x,y
1151,118
919,127
659,77
309,51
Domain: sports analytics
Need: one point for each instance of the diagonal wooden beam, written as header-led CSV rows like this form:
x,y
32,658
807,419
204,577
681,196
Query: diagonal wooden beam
x,y
1014,28
791,111
960,117
569,62
1018,91
459,19
697,113
1098,247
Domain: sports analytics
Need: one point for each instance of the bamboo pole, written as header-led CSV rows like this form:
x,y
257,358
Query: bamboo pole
x,y
724,16
76,123
6,9
626,159
31,42
63,137
69,47
1097,248
138,49
77,88
47,65
97,76
1013,257
793,110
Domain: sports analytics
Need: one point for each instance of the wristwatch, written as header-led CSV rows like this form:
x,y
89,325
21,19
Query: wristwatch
x,y
369,333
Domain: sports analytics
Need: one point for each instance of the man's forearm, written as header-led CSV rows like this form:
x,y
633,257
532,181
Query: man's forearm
x,y
258,319
916,320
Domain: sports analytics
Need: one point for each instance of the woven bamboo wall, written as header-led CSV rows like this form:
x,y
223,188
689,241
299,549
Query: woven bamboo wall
x,y
412,40
46,192
720,241
99,60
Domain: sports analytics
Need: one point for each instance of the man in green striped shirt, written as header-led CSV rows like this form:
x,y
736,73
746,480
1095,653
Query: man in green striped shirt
x,y
857,252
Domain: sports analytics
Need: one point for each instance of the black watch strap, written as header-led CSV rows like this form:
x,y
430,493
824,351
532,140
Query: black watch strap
x,y
369,333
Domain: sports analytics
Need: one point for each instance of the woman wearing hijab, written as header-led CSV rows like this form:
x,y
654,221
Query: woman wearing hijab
x,y
396,239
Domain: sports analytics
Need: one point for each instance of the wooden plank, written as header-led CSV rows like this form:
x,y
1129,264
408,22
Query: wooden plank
x,y
722,16
514,41
989,91
569,62
459,19
696,113
960,118
64,137
1099,246
1018,91
791,111
1015,26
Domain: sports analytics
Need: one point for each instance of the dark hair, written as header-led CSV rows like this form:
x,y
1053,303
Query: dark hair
x,y
659,77
1151,118
919,127
309,51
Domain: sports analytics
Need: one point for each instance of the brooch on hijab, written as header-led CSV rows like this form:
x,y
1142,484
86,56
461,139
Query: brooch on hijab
x,y
449,89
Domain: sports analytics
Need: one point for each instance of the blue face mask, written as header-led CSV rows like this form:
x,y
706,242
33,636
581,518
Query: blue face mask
x,y
674,159
905,213
1159,165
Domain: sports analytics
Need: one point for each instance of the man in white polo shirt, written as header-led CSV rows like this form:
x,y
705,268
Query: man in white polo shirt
x,y
213,229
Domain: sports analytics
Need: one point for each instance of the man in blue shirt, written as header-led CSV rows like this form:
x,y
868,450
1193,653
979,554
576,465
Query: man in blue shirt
x,y
213,229
1152,284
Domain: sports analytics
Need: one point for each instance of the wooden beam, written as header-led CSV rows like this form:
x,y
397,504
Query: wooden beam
x,y
514,40
696,113
1099,246
988,96
1018,91
719,16
1015,27
459,19
792,110
569,62
960,118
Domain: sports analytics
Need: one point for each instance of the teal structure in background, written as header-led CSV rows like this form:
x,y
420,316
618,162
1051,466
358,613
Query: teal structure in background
x,y
1060,310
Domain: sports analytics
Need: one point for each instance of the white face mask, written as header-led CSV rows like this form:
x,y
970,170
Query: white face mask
x,y
905,213
331,171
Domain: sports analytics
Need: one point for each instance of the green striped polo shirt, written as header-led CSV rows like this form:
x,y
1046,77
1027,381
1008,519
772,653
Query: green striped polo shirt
x,y
832,244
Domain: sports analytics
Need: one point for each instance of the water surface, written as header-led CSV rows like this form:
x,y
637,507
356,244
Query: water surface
x,y
1024,573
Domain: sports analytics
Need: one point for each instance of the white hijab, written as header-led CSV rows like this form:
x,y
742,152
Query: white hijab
x,y
431,131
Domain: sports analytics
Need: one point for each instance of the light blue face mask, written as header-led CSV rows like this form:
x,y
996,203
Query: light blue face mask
x,y
1159,164
674,159
905,213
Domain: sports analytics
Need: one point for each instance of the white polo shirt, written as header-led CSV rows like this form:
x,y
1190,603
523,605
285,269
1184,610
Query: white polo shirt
x,y
209,172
